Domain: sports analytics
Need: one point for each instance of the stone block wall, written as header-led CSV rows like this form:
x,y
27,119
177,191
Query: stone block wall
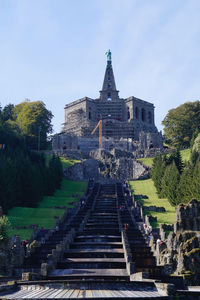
x,y
64,142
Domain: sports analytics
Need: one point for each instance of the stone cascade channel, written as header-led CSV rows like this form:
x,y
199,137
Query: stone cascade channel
x,y
95,263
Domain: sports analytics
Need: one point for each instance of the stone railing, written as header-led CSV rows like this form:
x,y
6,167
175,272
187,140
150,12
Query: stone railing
x,y
57,254
130,265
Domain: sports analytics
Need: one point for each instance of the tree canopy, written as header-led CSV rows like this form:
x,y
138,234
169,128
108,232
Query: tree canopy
x,y
34,120
180,124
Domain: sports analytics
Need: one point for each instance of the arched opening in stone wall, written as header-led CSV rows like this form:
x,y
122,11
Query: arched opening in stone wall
x,y
143,114
128,114
109,97
149,117
137,112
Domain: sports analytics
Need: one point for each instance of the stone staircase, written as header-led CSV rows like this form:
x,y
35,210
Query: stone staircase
x,y
40,255
97,252
94,265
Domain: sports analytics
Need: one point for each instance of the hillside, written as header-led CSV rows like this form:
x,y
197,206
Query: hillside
x,y
143,188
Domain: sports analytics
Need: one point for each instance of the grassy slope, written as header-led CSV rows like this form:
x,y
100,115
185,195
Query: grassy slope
x,y
146,187
68,162
65,162
149,160
45,215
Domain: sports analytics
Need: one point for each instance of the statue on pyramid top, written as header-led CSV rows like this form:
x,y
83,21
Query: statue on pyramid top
x,y
108,54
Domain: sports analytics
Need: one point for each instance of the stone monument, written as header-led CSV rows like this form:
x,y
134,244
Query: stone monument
x,y
125,121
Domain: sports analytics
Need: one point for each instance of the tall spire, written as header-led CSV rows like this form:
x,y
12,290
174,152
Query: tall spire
x,y
109,91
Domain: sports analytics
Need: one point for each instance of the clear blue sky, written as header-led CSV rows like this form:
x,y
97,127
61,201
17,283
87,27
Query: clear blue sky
x,y
54,51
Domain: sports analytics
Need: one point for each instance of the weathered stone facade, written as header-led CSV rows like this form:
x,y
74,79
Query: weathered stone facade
x,y
180,251
122,118
188,217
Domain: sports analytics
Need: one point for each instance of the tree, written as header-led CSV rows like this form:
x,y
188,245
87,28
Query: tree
x,y
4,228
180,124
157,171
1,118
176,157
185,186
170,182
7,112
55,174
196,144
35,122
196,181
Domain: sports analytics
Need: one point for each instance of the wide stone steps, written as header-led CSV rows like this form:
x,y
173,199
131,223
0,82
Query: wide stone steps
x,y
94,253
94,274
98,238
98,251
41,253
94,265
102,245
94,230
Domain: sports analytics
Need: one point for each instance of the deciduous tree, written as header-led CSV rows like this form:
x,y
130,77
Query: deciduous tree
x,y
34,119
180,124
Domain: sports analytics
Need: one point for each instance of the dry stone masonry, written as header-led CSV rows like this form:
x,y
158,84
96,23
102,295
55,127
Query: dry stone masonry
x,y
102,164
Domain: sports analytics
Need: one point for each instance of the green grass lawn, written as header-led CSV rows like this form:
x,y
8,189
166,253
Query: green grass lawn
x,y
65,162
146,187
45,215
148,161
68,162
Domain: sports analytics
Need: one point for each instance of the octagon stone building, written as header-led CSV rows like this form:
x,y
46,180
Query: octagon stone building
x,y
127,119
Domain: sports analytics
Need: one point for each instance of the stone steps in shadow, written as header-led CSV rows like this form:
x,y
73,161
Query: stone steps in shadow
x,y
41,253
98,238
98,251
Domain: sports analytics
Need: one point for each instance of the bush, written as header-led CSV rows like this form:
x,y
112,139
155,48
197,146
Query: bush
x,y
4,228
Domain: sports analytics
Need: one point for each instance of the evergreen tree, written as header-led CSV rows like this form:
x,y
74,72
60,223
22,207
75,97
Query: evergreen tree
x,y
170,183
157,172
178,161
196,181
185,189
194,157
7,112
